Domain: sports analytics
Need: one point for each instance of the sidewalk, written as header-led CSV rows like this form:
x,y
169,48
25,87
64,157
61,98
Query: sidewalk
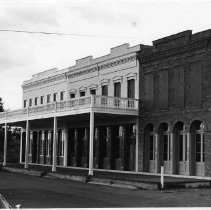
x,y
109,178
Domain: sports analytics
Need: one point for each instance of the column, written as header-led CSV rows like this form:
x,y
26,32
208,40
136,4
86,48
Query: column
x,y
27,145
65,136
55,136
21,145
5,145
91,138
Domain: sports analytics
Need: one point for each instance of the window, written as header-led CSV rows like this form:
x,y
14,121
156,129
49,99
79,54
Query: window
x,y
55,97
104,93
48,98
61,144
30,143
151,148
62,96
36,101
41,99
93,91
82,93
72,95
117,93
30,102
48,144
166,148
105,90
117,89
199,147
24,103
131,88
42,144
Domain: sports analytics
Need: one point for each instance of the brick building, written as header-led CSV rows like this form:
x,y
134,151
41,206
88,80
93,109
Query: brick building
x,y
175,88
134,109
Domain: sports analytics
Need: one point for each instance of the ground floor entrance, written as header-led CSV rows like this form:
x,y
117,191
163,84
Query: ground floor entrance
x,y
179,150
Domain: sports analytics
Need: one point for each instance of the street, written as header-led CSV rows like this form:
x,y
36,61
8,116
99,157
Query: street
x,y
38,192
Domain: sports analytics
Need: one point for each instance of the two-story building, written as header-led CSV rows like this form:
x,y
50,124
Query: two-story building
x,y
135,109
82,116
175,87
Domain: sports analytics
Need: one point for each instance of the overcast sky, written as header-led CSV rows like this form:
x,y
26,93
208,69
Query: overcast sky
x,y
113,22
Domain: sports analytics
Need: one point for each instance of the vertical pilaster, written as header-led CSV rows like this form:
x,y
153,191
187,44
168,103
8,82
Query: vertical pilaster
x,y
65,136
27,145
107,159
21,145
5,145
55,136
75,147
96,147
188,163
38,147
157,158
91,142
137,131
172,162
122,147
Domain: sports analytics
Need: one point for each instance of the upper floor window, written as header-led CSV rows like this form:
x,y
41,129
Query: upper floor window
x,y
72,95
93,91
30,102
105,90
62,96
55,97
24,103
41,99
48,98
82,93
117,89
36,101
131,88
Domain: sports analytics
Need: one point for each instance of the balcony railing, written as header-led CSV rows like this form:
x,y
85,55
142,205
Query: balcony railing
x,y
94,101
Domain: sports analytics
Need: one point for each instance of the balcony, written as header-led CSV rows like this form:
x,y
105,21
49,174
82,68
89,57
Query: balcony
x,y
99,104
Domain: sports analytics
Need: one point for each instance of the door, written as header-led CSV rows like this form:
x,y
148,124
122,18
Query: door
x,y
166,153
183,166
199,166
152,154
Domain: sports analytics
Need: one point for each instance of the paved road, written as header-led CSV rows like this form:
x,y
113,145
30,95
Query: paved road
x,y
38,192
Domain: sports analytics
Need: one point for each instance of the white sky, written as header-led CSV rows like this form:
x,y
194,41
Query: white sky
x,y
22,55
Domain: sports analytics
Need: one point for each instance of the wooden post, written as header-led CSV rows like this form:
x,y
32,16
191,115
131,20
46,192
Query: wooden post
x,y
5,145
55,136
91,138
21,145
27,145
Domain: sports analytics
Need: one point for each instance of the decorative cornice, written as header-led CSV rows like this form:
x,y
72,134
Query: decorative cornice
x,y
104,82
82,88
131,76
93,86
194,45
117,79
103,66
44,81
